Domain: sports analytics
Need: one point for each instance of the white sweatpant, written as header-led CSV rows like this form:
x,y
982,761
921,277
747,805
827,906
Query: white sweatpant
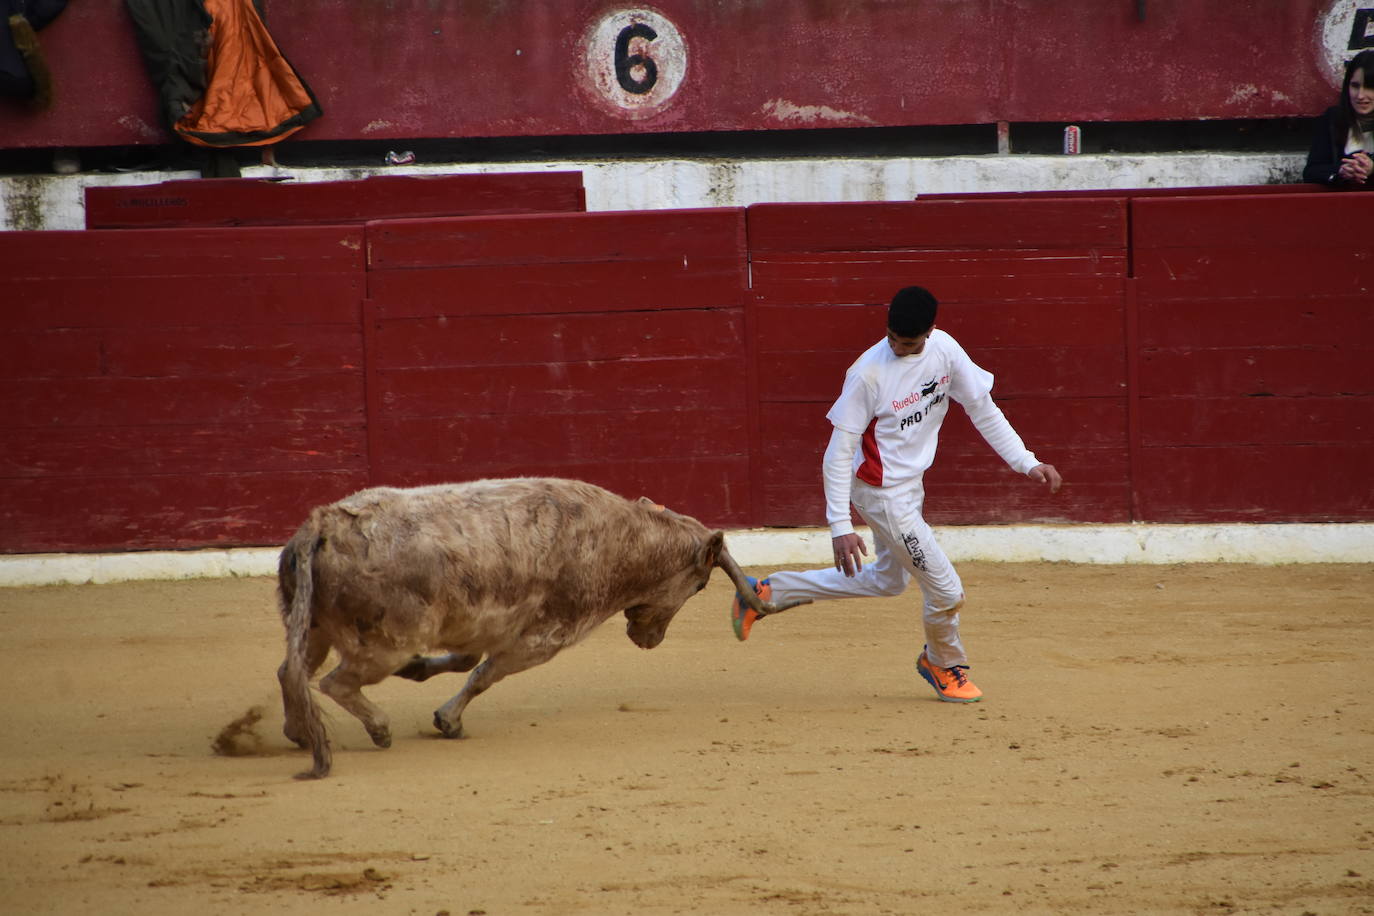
x,y
904,547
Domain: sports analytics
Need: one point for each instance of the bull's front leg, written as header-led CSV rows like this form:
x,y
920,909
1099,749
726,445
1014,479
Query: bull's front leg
x,y
448,719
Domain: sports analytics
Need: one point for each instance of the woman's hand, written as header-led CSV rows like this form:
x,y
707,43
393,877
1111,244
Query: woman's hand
x,y
1355,168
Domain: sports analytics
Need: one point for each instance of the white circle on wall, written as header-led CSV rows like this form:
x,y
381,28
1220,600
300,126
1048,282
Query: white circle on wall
x,y
1346,29
635,61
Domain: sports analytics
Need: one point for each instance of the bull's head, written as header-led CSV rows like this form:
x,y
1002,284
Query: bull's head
x,y
647,623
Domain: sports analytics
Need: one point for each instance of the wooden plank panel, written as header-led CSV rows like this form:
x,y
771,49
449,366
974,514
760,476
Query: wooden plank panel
x,y
50,353
1281,221
248,201
684,235
950,262
876,282
210,299
1133,193
103,402
253,351
492,341
120,451
541,289
173,512
881,226
1273,483
1210,322
1253,273
1259,421
974,324
183,252
408,446
561,387
1019,372
1258,372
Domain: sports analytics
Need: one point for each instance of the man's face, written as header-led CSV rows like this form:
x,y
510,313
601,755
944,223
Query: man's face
x,y
907,346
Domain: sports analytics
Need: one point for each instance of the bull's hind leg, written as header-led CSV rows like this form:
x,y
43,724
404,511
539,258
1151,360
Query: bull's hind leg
x,y
344,686
316,648
448,719
424,667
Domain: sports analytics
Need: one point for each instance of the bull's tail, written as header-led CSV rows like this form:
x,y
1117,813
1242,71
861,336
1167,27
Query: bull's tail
x,y
301,709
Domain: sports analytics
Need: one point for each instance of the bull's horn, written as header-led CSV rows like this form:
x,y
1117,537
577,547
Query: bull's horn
x,y
761,607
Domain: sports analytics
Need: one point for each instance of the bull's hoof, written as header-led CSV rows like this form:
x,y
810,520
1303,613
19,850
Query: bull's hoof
x,y
380,736
448,731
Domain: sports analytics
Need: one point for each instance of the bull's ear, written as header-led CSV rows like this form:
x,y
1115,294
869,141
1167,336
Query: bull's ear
x,y
712,548
646,501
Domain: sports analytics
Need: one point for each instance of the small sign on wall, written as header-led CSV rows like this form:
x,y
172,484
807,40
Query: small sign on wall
x,y
635,60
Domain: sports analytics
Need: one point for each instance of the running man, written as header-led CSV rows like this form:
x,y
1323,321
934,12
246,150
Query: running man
x,y
886,423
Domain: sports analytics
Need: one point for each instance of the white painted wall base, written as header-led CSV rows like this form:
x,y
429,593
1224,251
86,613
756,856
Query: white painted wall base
x,y
58,201
807,547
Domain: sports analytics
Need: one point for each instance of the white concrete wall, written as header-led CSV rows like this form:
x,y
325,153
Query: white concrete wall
x,y
57,201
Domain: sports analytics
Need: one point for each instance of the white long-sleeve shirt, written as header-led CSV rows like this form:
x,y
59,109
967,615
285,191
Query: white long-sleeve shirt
x,y
888,415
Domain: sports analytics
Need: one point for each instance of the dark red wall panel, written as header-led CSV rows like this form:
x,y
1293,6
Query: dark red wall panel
x,y
1034,291
600,345
1255,346
177,388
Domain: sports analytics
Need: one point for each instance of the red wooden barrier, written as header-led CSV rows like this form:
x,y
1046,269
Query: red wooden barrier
x,y
1033,289
1255,394
1133,193
197,387
604,346
178,388
257,202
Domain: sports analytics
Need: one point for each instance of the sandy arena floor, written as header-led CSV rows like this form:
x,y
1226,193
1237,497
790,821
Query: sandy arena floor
x,y
1193,739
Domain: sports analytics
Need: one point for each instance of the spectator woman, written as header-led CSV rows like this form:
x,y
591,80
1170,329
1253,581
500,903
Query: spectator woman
x,y
1340,155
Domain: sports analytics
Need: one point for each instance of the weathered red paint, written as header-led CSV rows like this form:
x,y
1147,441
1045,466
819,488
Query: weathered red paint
x,y
416,68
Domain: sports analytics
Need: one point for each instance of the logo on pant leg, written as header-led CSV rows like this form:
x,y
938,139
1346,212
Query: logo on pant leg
x,y
913,547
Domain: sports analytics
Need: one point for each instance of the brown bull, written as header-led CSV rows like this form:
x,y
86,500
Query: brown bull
x,y
499,574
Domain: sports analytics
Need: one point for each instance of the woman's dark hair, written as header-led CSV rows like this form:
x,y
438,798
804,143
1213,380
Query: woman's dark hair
x,y
912,312
1362,61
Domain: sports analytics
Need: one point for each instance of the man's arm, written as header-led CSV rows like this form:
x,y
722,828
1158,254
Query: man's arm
x,y
992,425
837,471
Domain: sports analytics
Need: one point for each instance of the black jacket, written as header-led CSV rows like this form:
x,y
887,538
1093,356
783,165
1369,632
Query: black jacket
x,y
1328,148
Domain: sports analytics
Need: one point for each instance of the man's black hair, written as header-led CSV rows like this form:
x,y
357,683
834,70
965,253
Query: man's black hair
x,y
912,312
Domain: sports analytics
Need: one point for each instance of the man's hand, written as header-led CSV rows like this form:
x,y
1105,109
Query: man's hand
x,y
1045,473
848,549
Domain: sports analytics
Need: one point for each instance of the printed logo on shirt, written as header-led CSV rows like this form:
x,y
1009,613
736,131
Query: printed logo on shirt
x,y
913,547
916,397
916,416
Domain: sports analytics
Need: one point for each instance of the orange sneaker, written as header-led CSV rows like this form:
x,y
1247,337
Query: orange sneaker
x,y
742,616
951,684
